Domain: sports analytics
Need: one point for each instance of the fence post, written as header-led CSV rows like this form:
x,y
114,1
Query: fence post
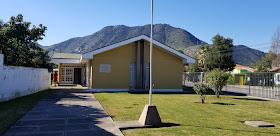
x,y
249,83
201,77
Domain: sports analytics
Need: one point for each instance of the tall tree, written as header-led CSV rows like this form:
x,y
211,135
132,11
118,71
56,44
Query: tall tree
x,y
218,56
19,43
275,48
201,56
265,64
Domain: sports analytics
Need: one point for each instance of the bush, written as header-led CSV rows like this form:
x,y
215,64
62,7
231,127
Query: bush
x,y
231,79
201,89
217,80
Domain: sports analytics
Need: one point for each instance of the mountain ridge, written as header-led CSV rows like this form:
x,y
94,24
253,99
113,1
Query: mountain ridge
x,y
176,38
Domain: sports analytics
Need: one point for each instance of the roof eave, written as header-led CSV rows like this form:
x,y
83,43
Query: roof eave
x,y
56,60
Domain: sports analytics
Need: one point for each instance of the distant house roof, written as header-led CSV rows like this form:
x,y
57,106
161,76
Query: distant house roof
x,y
237,66
185,58
275,69
66,56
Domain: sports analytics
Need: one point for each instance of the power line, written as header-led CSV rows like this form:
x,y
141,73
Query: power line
x,y
245,47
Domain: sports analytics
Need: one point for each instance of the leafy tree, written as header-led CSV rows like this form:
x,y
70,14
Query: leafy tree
x,y
265,64
18,43
217,80
217,56
201,56
193,67
201,89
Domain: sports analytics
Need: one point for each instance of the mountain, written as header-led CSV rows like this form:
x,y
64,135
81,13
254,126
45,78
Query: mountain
x,y
175,37
246,56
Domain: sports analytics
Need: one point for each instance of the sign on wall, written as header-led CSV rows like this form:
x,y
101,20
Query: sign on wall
x,y
105,68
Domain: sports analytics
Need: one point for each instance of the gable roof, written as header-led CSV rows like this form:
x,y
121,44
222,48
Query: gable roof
x,y
66,56
186,59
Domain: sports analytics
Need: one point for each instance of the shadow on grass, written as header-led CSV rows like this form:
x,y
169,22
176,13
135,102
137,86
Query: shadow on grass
x,y
164,125
231,129
251,99
220,103
188,90
233,93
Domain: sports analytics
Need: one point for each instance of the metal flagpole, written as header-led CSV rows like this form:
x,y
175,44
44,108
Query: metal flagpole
x,y
150,114
151,55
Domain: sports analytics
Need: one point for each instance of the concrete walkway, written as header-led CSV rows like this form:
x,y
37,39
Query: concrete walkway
x,y
66,112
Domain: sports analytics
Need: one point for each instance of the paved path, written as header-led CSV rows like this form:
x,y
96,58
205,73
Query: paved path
x,y
66,112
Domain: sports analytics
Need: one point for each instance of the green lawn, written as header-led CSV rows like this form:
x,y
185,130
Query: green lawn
x,y
11,111
223,116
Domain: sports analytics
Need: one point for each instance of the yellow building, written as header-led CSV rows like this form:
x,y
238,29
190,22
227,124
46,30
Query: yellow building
x,y
124,66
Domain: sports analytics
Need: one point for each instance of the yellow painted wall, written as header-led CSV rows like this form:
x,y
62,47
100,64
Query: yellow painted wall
x,y
167,68
120,59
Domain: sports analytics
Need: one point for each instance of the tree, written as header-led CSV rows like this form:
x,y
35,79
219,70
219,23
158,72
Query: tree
x,y
201,89
217,56
19,43
201,56
265,64
275,48
193,67
217,80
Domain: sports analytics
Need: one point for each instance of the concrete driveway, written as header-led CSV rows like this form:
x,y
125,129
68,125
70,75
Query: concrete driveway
x,y
66,112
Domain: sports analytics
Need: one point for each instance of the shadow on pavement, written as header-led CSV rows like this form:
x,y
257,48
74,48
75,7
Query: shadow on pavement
x,y
163,126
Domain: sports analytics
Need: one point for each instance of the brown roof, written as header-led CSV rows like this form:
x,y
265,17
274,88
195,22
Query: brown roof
x,y
237,66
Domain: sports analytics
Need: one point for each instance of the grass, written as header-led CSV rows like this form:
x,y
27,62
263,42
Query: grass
x,y
221,116
11,111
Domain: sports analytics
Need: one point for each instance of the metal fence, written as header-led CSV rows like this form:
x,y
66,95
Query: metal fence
x,y
264,84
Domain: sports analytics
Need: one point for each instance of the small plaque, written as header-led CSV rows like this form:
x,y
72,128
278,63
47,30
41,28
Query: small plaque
x,y
105,68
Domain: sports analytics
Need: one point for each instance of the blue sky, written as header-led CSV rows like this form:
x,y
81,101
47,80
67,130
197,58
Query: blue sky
x,y
248,22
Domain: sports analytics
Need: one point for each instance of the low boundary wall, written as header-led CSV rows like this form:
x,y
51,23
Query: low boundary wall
x,y
21,81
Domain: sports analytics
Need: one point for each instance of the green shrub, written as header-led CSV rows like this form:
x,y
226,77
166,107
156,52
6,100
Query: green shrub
x,y
201,89
217,80
231,79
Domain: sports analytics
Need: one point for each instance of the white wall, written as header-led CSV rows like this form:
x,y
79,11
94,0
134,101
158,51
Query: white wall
x,y
1,59
21,81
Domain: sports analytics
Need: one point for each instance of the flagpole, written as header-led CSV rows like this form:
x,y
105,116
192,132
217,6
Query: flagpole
x,y
151,55
149,115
